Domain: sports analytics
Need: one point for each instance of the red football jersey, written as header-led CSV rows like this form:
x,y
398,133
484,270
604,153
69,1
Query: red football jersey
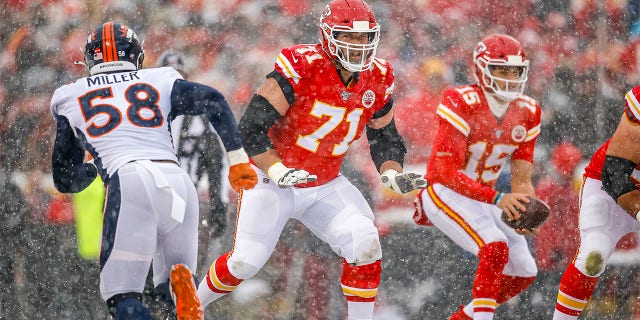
x,y
472,145
326,116
594,168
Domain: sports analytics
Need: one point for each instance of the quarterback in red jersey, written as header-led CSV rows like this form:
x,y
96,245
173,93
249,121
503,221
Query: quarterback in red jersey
x,y
297,128
481,127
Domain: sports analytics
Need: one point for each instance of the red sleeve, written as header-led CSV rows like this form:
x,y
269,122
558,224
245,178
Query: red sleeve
x,y
447,159
291,63
525,151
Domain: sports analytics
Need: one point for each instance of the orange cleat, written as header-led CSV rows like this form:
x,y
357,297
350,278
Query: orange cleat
x,y
188,306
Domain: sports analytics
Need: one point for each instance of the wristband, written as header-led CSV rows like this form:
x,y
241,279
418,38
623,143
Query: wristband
x,y
277,171
237,156
500,194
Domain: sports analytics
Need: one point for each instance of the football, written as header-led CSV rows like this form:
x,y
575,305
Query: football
x,y
537,212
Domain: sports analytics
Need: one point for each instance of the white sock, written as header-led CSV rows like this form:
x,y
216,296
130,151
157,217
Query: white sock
x,y
557,315
206,295
468,309
359,310
483,316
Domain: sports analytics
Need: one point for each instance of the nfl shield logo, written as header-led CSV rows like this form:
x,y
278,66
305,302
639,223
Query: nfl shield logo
x,y
368,98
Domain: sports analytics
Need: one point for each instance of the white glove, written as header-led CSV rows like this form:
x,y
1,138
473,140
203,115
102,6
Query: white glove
x,y
286,177
402,182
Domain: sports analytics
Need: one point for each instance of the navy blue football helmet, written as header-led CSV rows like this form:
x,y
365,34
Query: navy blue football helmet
x,y
113,47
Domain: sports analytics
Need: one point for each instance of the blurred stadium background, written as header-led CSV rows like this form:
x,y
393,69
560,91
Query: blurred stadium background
x,y
585,54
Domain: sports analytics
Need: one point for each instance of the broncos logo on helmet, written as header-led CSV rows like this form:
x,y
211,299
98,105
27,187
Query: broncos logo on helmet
x,y
113,47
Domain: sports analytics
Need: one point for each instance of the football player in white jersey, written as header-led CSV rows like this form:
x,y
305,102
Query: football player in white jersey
x,y
120,114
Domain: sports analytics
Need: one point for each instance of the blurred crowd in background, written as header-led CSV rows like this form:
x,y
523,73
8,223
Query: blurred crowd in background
x,y
585,54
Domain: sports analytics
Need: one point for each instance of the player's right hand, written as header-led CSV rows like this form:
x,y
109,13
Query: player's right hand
x,y
402,182
286,177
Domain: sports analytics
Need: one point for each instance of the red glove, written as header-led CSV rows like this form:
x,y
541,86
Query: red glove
x,y
241,174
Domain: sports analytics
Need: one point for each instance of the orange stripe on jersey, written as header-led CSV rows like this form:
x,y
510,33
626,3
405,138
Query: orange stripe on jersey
x,y
235,232
453,215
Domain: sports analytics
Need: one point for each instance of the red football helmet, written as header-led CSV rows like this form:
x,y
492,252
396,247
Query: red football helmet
x,y
500,50
349,16
113,47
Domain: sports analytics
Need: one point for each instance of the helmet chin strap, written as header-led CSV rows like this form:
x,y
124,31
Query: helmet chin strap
x,y
497,105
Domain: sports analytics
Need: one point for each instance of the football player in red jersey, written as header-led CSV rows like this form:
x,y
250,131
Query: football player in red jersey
x,y
623,155
297,129
610,203
481,126
602,224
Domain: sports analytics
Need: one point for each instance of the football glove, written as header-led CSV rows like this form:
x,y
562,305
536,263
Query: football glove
x,y
286,177
402,182
241,174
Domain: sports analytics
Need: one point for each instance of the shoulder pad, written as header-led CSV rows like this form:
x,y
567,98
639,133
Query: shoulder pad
x,y
383,66
632,104
529,103
293,62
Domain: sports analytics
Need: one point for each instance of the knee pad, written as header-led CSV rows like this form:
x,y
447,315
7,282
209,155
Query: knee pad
x,y
364,242
593,264
595,249
241,269
128,306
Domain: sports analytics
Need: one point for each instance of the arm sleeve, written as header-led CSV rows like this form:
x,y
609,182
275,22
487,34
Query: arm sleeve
x,y
255,124
387,107
445,166
386,144
615,176
190,98
70,173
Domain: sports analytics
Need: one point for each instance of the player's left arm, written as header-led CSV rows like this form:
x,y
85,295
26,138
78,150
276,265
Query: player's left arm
x,y
622,157
268,106
70,173
521,171
191,98
388,149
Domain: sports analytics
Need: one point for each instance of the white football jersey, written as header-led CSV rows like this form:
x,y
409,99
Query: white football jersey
x,y
121,117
